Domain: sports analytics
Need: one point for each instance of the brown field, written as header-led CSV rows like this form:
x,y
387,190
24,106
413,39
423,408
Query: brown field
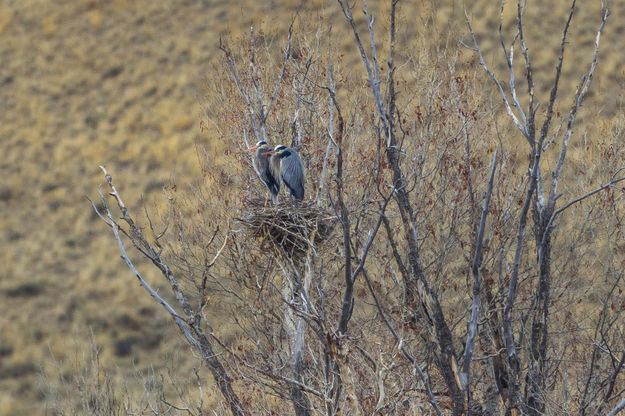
x,y
123,84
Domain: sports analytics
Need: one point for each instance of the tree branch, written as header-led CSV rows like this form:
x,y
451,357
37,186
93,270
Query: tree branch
x,y
490,73
402,347
617,409
475,269
579,98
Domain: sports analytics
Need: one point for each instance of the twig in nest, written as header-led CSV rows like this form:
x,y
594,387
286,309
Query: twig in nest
x,y
288,226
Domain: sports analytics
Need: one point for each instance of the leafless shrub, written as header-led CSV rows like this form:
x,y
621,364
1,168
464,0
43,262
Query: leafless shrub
x,y
430,297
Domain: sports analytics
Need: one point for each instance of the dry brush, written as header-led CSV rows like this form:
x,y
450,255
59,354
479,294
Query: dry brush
x,y
438,263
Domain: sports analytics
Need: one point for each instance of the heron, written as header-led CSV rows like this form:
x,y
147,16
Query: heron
x,y
286,163
261,164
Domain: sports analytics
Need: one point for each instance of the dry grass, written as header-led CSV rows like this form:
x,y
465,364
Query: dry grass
x,y
84,83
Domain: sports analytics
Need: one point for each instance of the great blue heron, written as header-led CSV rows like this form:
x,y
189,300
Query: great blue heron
x,y
287,163
261,163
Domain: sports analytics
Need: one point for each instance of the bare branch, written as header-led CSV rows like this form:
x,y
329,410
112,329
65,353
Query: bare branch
x,y
287,55
237,80
371,237
513,359
579,199
115,227
142,244
530,125
401,346
257,86
475,268
374,80
331,88
509,60
212,263
579,98
191,327
617,409
554,90
503,95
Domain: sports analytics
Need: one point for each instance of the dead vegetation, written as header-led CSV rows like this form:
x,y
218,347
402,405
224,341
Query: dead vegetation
x,y
140,122
290,228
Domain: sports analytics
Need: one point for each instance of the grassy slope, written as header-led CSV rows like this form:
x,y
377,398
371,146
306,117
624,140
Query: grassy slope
x,y
84,83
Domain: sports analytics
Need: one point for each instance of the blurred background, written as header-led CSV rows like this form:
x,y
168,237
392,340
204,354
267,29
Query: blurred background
x,y
120,83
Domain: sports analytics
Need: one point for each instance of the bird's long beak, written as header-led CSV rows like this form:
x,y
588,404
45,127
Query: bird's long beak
x,y
268,153
253,148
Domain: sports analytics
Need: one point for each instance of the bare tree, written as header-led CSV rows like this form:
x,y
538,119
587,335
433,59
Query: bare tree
x,y
191,321
405,284
542,204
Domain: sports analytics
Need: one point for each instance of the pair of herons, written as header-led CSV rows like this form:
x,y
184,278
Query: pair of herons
x,y
281,163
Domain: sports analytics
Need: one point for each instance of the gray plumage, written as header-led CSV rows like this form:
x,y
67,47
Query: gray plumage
x,y
261,163
291,170
274,162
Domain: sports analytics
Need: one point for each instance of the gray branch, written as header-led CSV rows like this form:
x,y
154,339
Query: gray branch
x,y
374,80
579,98
237,80
575,201
191,326
475,268
617,409
502,93
402,347
287,55
115,227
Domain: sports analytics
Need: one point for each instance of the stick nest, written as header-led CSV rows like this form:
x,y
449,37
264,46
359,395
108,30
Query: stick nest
x,y
293,227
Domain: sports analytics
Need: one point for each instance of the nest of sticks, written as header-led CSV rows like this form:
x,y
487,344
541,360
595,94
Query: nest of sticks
x,y
290,228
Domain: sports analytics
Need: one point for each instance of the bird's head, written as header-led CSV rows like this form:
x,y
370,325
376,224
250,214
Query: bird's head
x,y
278,150
283,151
260,143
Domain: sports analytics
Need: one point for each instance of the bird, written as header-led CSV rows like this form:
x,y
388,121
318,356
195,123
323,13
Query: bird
x,y
261,163
274,161
287,163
